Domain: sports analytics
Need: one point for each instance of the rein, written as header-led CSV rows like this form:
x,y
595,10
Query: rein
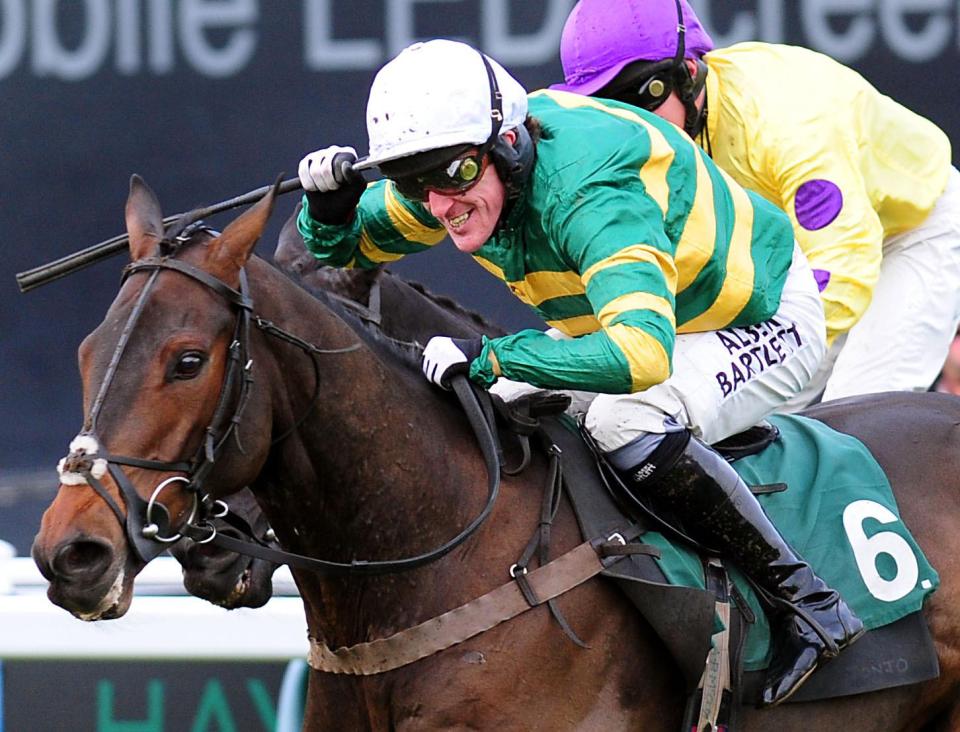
x,y
477,416
147,523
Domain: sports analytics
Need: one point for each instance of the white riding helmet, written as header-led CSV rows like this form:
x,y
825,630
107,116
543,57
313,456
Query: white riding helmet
x,y
435,95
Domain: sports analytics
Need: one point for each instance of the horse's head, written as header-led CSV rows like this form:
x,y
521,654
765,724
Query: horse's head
x,y
164,382
400,310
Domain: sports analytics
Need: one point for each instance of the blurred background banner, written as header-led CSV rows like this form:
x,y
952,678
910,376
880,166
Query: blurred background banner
x,y
208,99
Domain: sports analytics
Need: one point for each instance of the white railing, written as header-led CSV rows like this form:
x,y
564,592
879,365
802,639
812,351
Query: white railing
x,y
163,622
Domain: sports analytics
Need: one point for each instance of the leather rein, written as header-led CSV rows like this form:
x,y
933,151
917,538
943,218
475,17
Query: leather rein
x,y
147,523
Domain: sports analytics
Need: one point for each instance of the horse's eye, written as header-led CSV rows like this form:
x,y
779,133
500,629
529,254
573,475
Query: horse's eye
x,y
188,365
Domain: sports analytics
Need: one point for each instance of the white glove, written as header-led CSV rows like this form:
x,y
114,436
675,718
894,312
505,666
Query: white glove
x,y
323,171
445,357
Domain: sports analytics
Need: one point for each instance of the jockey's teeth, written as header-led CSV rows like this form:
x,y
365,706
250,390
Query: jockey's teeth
x,y
458,221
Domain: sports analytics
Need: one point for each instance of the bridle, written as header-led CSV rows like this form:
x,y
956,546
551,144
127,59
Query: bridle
x,y
147,523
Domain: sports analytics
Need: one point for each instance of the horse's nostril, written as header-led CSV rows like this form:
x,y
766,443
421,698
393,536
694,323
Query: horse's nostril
x,y
81,559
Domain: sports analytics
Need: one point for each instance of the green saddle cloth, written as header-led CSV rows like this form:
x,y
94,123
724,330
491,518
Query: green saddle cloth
x,y
839,514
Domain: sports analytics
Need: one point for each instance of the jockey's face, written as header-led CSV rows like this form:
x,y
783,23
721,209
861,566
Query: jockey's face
x,y
471,217
672,110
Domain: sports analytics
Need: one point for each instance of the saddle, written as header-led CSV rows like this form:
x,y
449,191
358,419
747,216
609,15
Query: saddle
x,y
703,629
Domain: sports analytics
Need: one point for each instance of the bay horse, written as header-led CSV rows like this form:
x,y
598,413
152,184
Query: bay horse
x,y
380,465
402,310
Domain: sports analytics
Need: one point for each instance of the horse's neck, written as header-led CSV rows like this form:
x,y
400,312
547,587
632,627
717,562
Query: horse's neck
x,y
382,467
411,314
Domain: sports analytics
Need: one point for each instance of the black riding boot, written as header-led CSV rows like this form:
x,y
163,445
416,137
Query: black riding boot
x,y
715,506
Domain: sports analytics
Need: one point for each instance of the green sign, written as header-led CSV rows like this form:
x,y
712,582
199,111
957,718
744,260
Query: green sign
x,y
140,696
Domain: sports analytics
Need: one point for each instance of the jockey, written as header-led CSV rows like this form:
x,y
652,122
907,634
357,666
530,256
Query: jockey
x,y
679,300
868,184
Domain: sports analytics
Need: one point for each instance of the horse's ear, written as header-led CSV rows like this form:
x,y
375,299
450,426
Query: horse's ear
x,y
144,219
229,252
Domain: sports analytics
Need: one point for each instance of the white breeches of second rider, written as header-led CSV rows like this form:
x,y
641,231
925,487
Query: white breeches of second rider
x,y
902,339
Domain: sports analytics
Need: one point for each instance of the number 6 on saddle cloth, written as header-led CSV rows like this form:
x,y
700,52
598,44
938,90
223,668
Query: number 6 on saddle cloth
x,y
830,498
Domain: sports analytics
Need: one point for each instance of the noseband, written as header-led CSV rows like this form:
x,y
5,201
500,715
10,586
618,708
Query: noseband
x,y
147,523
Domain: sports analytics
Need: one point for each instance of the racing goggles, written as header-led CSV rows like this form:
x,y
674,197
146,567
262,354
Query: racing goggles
x,y
450,179
652,92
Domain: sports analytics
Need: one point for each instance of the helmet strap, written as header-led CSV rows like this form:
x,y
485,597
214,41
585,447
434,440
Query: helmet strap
x,y
496,103
513,162
688,87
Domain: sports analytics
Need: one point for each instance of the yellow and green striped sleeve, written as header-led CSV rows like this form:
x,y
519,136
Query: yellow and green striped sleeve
x,y
629,279
386,227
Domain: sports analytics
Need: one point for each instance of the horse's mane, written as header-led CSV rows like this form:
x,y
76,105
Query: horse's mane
x,y
452,306
182,229
408,353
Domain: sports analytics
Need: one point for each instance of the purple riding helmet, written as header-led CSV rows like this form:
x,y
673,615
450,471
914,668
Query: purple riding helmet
x,y
602,36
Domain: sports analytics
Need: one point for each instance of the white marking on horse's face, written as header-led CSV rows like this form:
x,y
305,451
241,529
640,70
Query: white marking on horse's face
x,y
83,445
109,601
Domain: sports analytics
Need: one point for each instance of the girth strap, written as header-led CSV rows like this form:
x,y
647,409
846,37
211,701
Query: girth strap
x,y
464,622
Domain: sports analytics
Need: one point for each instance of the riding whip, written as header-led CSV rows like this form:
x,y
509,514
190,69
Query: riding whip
x,y
46,273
